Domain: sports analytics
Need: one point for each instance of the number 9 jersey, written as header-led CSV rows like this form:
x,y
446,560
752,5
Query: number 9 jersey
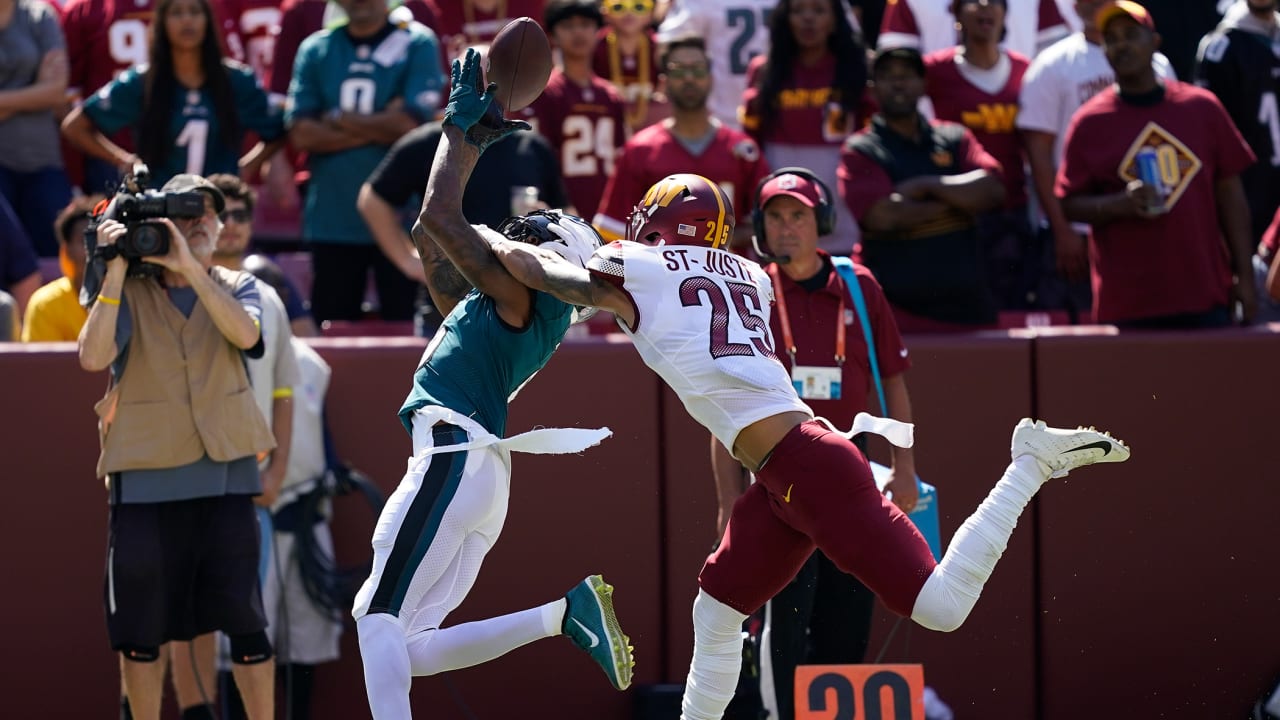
x,y
702,324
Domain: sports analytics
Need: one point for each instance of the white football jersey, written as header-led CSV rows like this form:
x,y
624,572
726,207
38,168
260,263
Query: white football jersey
x,y
735,32
702,324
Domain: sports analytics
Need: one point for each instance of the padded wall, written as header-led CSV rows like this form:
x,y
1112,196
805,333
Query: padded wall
x,y
1160,589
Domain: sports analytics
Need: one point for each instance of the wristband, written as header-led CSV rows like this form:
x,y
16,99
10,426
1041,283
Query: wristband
x,y
109,300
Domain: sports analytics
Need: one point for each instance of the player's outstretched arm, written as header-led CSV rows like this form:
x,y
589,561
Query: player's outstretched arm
x,y
546,271
442,220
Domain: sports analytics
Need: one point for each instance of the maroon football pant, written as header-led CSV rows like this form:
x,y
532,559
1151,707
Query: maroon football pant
x,y
816,490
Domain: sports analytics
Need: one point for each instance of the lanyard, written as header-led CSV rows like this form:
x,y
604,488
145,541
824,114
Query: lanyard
x,y
784,319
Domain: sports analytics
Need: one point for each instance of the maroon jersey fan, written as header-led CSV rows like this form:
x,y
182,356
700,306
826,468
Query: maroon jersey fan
x,y
732,160
991,116
1176,262
588,126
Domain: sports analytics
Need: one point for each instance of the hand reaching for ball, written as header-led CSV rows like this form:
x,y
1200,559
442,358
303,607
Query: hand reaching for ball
x,y
475,112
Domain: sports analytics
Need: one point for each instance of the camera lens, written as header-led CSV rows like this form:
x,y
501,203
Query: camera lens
x,y
146,240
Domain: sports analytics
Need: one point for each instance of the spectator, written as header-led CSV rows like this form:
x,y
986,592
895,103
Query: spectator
x,y
823,616
627,55
976,84
54,313
234,243
1237,63
579,112
916,186
104,39
249,28
19,269
346,112
33,83
188,108
1185,23
1058,82
1157,249
929,26
303,628
179,451
523,159
300,18
735,31
465,23
691,137
806,96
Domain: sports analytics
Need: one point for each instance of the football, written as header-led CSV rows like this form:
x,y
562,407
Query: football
x,y
519,61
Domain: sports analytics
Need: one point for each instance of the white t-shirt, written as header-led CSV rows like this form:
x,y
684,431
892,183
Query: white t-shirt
x,y
278,367
702,324
735,31
306,455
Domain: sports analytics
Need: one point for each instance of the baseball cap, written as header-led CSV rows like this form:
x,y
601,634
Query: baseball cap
x,y
797,186
191,183
1112,10
909,55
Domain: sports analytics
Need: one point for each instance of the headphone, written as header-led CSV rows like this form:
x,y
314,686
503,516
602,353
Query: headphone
x,y
824,213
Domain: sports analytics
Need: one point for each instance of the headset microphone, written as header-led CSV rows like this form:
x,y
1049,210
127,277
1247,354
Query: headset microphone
x,y
764,257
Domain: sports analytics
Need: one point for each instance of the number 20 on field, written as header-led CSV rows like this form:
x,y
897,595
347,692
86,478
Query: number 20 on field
x,y
860,692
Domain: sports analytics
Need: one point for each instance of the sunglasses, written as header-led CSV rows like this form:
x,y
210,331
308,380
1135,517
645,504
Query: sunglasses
x,y
637,6
239,215
695,72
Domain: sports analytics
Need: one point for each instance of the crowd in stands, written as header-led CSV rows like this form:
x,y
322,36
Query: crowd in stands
x,y
988,155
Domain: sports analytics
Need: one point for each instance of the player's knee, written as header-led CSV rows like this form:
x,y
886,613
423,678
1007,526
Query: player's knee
x,y
939,607
716,624
140,653
250,648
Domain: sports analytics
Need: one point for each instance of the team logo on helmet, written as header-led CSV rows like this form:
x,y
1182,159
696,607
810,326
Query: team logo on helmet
x,y
684,209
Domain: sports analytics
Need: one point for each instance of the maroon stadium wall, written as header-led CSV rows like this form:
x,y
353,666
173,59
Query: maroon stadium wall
x,y
1144,590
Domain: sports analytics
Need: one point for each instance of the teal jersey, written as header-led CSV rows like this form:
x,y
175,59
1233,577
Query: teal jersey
x,y
476,362
333,71
195,128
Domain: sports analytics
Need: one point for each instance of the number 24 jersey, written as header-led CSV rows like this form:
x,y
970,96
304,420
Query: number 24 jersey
x,y
702,324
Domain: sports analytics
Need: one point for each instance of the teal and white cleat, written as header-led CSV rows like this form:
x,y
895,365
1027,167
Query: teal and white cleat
x,y
592,625
1065,450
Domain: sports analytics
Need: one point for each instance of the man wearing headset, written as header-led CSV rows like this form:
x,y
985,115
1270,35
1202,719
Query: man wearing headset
x,y
820,340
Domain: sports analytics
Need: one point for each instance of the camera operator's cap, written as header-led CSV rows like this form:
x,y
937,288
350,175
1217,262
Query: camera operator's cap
x,y
1128,8
797,186
192,183
909,55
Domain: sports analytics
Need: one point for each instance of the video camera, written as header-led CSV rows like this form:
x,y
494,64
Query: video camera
x,y
137,208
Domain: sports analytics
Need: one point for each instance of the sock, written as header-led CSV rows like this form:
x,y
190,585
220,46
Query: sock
x,y
955,584
717,659
297,680
386,666
460,646
203,711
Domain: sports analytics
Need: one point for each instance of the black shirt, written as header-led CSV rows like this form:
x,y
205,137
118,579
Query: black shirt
x,y
521,159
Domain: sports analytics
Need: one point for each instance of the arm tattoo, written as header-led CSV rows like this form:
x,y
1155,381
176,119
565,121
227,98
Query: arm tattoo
x,y
443,279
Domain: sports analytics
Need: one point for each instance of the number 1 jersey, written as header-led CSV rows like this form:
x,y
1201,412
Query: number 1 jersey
x,y
702,324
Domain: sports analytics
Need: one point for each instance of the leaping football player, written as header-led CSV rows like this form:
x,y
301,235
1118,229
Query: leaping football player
x,y
699,317
448,510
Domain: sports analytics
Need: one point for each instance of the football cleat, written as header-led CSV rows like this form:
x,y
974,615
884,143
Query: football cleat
x,y
1065,450
592,625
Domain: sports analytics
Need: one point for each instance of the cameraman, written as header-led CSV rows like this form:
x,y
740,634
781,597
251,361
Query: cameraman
x,y
180,434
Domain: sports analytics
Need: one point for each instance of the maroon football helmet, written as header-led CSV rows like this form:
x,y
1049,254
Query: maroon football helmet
x,y
684,209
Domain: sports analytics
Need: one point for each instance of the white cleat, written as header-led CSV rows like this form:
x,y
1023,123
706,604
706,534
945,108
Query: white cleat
x,y
1065,450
